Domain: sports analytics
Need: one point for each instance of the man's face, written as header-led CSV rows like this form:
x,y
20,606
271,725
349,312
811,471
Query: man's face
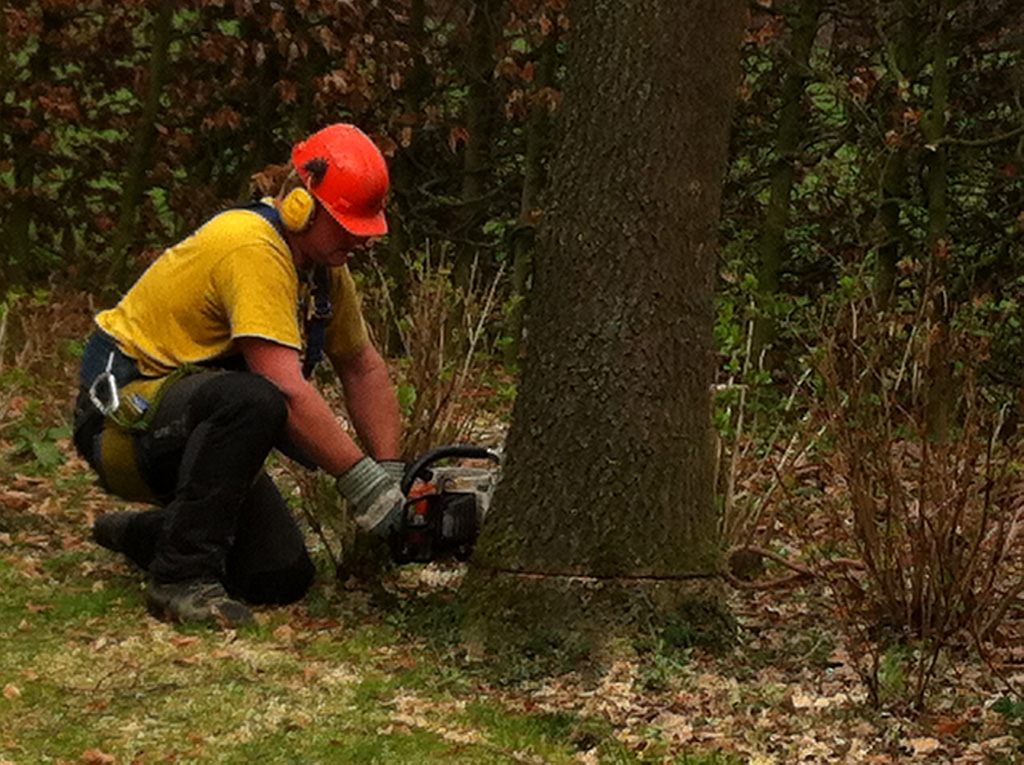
x,y
329,243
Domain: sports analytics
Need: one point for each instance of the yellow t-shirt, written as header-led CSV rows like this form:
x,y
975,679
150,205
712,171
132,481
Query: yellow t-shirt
x,y
234,277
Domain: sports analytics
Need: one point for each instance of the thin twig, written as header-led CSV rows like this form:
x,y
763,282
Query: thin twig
x,y
800,571
5,311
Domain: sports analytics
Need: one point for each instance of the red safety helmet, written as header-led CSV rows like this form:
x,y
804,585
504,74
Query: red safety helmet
x,y
346,172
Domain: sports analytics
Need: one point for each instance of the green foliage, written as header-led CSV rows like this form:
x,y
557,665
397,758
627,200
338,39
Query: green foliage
x,y
1012,710
35,441
234,99
894,672
852,135
435,618
662,661
406,393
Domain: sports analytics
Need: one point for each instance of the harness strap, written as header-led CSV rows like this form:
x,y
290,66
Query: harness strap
x,y
316,320
118,462
317,311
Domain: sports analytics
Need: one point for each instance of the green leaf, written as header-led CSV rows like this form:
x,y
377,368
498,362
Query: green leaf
x,y
47,454
59,432
406,396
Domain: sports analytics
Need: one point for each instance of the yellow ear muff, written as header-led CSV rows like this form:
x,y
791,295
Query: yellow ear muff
x,y
297,209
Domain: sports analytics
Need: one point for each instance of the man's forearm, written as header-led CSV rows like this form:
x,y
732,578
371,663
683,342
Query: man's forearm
x,y
373,406
312,425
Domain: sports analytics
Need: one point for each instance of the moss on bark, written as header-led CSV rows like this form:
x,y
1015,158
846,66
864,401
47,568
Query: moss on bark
x,y
516,612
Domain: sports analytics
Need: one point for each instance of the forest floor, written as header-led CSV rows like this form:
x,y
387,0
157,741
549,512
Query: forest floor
x,y
353,676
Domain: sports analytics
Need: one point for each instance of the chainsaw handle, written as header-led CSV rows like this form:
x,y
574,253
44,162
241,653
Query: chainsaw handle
x,y
421,467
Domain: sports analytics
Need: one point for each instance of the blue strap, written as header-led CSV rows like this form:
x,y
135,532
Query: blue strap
x,y
318,311
268,212
316,320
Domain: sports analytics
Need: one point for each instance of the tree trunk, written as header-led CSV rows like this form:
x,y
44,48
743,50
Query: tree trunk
x,y
604,521
940,393
894,192
22,211
537,139
479,118
404,178
802,16
120,274
904,61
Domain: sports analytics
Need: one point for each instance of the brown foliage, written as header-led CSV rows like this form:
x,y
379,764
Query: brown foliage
x,y
936,520
244,80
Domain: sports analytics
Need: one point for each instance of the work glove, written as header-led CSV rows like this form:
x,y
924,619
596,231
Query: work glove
x,y
395,469
376,499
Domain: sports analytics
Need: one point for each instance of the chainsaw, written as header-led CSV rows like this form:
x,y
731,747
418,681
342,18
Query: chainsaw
x,y
445,504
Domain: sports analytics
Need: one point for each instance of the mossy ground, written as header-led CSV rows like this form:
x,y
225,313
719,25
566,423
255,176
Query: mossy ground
x,y
341,677
382,675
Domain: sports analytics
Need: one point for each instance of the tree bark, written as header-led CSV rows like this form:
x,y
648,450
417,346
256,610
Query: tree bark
x,y
940,391
904,61
537,140
479,119
604,521
802,16
894,192
120,274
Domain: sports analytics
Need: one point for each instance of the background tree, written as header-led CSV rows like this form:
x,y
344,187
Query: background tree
x,y
536,102
142,149
605,515
802,20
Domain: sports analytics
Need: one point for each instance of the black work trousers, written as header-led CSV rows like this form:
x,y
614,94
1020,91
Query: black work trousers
x,y
222,517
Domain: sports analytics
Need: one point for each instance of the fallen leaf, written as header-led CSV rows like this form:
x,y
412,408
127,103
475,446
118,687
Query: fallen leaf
x,y
96,757
16,500
947,726
184,640
30,480
801,701
11,692
923,745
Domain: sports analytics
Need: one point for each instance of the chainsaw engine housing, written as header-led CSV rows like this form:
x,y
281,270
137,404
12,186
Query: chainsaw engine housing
x,y
445,506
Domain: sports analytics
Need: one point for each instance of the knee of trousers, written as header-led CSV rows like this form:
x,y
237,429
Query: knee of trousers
x,y
249,397
279,587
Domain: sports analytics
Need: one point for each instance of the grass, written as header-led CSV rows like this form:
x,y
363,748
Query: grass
x,y
353,676
87,675
344,676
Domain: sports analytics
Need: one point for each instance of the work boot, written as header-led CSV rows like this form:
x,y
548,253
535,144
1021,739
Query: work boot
x,y
196,601
111,529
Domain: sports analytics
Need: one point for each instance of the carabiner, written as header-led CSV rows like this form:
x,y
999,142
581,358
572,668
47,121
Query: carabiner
x,y
105,379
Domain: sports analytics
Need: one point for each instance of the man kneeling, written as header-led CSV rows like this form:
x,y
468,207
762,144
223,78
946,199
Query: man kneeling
x,y
202,369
